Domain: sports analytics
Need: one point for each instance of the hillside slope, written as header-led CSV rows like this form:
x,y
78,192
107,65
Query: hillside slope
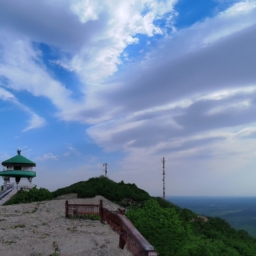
x,y
170,229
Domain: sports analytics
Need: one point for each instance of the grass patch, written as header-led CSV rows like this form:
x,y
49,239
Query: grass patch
x,y
9,242
56,249
86,217
73,229
36,254
43,236
18,226
34,210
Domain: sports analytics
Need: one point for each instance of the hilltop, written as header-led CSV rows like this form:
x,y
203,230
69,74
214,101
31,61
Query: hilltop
x,y
170,229
121,193
41,229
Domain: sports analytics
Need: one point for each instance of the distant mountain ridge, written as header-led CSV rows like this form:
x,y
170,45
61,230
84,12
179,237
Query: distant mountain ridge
x,y
240,212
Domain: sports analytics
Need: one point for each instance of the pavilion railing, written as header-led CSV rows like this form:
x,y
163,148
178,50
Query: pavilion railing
x,y
129,236
4,193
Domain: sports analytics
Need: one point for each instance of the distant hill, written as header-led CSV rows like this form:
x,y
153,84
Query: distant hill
x,y
239,212
244,219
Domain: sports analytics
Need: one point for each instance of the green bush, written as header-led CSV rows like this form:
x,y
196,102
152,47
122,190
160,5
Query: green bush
x,y
175,231
121,193
162,227
33,195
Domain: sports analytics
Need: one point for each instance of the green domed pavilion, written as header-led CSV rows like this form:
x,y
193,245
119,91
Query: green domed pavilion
x,y
18,167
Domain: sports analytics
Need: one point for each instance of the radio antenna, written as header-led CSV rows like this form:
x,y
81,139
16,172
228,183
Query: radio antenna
x,y
163,161
106,169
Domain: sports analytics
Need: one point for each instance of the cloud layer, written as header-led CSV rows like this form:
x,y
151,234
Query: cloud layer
x,y
141,86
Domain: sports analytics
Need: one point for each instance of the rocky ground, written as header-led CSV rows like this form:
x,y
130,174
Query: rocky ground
x,y
41,229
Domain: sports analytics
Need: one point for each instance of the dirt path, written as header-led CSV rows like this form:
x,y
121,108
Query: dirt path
x,y
42,229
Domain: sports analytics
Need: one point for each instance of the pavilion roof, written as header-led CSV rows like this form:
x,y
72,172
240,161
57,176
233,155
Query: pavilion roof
x,y
18,159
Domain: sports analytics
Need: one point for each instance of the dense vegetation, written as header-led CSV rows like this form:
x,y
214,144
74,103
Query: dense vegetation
x,y
170,229
121,193
175,231
33,195
239,212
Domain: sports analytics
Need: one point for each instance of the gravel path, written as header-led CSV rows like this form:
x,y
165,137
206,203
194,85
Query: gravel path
x,y
41,229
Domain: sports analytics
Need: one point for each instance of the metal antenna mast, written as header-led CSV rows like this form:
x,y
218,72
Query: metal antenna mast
x,y
163,161
106,169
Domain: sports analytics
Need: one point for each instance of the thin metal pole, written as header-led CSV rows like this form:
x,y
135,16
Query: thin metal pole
x,y
163,178
106,169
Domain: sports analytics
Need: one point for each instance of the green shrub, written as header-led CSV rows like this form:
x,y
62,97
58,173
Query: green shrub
x,y
174,231
121,193
33,195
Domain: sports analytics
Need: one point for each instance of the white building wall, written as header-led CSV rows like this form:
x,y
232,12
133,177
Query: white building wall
x,y
27,168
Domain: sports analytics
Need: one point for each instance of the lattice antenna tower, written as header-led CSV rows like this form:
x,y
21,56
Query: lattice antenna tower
x,y
106,169
163,161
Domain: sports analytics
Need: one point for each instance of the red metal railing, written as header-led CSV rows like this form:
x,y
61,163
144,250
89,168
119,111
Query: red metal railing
x,y
80,209
129,236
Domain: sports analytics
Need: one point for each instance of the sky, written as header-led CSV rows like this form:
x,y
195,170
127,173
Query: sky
x,y
88,82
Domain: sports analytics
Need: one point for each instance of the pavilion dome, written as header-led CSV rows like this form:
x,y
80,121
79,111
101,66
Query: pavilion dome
x,y
18,160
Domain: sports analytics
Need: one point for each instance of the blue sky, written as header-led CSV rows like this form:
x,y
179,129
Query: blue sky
x,y
126,83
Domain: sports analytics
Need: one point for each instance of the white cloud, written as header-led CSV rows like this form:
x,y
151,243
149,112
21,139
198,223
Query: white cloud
x,y
21,65
86,10
72,151
238,106
47,156
240,8
35,120
237,17
5,95
247,132
100,59
193,97
152,126
196,170
22,68
115,25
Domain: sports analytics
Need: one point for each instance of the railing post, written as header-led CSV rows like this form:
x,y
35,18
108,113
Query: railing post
x,y
67,209
122,241
120,211
101,209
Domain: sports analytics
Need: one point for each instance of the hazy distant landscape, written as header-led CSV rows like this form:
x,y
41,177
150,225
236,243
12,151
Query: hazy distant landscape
x,y
240,212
